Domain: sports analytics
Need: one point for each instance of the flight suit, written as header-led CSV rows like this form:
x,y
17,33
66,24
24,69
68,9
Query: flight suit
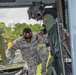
x,y
29,52
51,27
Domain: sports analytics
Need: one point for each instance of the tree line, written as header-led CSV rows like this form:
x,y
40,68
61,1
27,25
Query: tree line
x,y
16,31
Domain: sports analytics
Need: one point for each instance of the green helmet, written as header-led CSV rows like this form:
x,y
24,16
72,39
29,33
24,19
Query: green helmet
x,y
36,10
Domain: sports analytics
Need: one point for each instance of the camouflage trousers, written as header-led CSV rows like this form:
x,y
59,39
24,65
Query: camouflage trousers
x,y
32,65
42,57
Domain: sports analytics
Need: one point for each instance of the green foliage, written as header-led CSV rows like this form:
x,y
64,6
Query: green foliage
x,y
18,29
36,27
7,30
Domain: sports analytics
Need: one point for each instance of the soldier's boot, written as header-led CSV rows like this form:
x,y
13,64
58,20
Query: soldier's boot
x,y
44,73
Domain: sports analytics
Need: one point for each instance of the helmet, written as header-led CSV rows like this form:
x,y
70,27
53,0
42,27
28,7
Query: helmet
x,y
36,10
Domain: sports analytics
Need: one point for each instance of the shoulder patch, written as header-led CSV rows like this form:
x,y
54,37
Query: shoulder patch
x,y
44,20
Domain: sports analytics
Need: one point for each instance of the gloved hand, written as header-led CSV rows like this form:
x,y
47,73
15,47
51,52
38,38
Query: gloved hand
x,y
8,61
25,67
15,62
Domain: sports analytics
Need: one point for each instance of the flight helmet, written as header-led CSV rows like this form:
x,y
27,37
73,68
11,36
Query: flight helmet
x,y
36,10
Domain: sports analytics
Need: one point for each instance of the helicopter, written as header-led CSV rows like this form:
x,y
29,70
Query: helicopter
x,y
65,28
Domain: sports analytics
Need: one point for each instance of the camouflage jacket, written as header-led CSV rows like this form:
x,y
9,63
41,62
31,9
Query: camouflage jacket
x,y
27,49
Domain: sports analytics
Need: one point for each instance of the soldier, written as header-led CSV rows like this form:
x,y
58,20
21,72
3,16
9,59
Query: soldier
x,y
28,44
42,52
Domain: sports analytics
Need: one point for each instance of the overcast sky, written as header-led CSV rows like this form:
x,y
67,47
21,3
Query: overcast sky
x,y
15,15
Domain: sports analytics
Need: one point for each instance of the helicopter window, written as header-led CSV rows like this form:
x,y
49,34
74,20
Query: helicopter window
x,y
10,18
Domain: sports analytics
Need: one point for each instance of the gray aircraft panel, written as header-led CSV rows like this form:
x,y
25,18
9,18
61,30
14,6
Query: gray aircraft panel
x,y
72,26
17,3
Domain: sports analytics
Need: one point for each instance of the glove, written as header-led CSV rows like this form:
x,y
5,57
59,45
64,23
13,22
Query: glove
x,y
8,61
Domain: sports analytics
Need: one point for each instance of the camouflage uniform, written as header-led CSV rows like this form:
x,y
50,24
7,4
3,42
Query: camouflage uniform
x,y
43,53
29,51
